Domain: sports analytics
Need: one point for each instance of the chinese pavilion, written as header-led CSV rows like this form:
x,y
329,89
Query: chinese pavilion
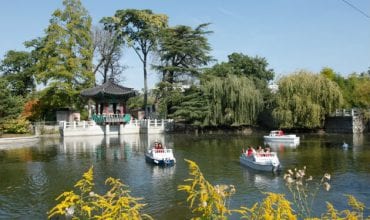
x,y
110,100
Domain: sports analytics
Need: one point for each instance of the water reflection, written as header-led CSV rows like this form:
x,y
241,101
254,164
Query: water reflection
x,y
19,143
100,147
117,146
358,141
261,180
160,173
32,177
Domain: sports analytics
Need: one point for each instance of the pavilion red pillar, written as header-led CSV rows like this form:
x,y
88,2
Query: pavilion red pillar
x,y
122,108
106,108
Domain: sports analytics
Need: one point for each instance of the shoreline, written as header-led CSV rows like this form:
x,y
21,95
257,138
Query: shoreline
x,y
18,139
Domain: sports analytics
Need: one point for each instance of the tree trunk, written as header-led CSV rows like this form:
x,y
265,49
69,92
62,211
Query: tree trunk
x,y
145,86
171,81
105,75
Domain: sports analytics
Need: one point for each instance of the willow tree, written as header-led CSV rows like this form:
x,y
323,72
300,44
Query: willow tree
x,y
140,29
64,57
304,99
232,100
255,68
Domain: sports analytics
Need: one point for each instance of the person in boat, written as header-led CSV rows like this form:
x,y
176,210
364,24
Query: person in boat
x,y
156,145
259,149
249,151
160,146
267,150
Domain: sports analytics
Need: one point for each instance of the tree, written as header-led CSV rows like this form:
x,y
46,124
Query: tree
x,y
357,90
361,92
140,29
304,99
365,73
255,68
191,107
183,51
347,86
328,73
17,67
232,100
10,105
64,57
108,52
244,65
165,96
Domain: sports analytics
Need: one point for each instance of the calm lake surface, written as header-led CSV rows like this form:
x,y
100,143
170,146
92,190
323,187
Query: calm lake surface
x,y
33,174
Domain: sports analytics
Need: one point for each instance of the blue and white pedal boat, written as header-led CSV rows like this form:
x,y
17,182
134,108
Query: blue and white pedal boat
x,y
161,156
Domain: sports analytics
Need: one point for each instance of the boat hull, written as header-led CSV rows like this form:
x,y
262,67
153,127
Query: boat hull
x,y
282,139
276,145
159,162
248,161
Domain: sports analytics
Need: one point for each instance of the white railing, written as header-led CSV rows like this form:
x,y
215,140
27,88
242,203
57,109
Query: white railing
x,y
347,112
150,123
146,123
76,124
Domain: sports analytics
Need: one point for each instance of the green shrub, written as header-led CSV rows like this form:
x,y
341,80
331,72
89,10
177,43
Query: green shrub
x,y
19,125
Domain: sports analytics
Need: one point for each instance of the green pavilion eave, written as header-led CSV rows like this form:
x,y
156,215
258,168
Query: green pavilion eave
x,y
109,98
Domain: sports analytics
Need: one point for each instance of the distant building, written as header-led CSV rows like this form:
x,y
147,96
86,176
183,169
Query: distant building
x,y
67,115
274,88
109,98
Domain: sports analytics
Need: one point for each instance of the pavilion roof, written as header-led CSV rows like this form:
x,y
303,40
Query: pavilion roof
x,y
109,89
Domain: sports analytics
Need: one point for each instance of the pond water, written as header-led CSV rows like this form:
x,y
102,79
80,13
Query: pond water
x,y
33,174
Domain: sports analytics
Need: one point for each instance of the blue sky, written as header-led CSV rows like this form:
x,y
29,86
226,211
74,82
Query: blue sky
x,y
290,34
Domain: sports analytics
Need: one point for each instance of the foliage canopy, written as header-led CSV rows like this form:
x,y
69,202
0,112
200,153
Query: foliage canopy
x,y
182,52
140,30
64,56
18,68
304,99
10,105
231,100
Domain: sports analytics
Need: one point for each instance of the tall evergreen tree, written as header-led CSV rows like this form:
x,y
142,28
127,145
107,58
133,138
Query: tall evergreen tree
x,y
183,51
191,107
64,56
